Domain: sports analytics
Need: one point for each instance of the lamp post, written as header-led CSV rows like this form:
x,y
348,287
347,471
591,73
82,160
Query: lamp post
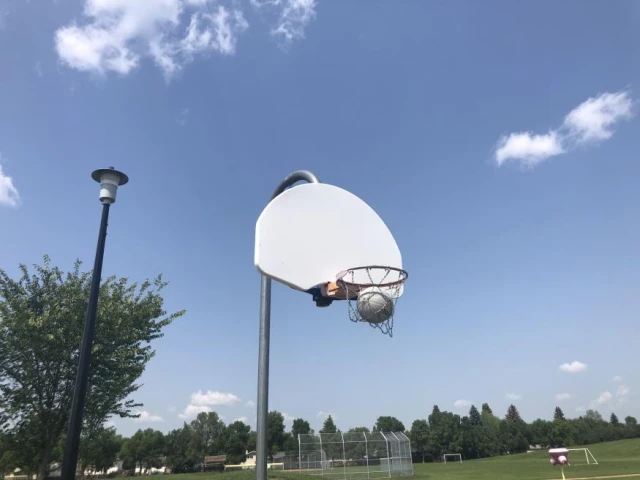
x,y
109,180
265,331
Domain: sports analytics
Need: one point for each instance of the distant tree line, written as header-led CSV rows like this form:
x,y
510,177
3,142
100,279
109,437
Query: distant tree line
x,y
482,434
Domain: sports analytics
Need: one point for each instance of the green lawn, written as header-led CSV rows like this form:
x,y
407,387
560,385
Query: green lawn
x,y
614,458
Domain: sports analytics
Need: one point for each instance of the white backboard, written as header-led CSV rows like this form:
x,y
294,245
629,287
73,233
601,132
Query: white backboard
x,y
311,232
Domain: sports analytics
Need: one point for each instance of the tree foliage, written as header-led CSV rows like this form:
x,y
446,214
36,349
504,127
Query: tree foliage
x,y
41,323
388,424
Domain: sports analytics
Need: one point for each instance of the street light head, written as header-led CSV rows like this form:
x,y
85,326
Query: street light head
x,y
109,180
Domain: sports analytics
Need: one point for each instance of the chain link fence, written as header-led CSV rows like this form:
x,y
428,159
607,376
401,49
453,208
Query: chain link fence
x,y
352,455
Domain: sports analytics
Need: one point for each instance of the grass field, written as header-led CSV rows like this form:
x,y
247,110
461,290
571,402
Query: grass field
x,y
616,460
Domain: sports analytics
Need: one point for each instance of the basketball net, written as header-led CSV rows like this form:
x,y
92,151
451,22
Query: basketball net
x,y
388,281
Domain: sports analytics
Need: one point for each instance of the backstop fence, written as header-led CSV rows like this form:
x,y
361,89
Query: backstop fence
x,y
354,455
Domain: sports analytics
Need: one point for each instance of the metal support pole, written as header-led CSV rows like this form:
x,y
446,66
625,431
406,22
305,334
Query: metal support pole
x,y
265,332
344,458
70,458
366,453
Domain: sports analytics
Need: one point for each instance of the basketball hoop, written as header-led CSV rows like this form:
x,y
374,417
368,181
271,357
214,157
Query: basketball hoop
x,y
371,293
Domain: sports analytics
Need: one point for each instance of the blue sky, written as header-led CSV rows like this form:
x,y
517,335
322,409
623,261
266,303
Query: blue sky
x,y
499,142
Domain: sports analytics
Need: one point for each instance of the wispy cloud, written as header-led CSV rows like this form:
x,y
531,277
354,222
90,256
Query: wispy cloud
x,y
563,397
622,393
607,398
590,122
573,367
250,404
462,403
115,34
580,409
205,401
9,196
322,414
618,379
293,18
513,396
181,119
146,417
603,399
241,419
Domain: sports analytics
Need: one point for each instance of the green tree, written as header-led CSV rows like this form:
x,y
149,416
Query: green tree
x,y
300,427
540,430
419,436
558,414
331,439
559,434
329,426
180,457
208,436
41,323
474,416
237,440
148,446
613,420
99,448
513,432
490,443
445,433
275,431
388,424
630,421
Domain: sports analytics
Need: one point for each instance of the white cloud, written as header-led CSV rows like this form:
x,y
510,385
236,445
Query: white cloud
x,y
618,379
604,399
205,401
607,398
116,34
513,396
590,122
251,404
326,414
573,367
528,148
214,398
580,409
146,417
294,17
622,393
193,410
462,404
172,409
9,196
593,119
241,419
563,397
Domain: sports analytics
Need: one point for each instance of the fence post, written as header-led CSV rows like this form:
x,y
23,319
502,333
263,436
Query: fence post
x,y
321,461
344,457
386,441
366,453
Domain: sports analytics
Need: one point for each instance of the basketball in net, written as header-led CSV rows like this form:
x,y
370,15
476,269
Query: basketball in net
x,y
372,293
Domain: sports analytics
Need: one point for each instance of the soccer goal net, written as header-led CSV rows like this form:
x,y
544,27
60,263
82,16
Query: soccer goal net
x,y
589,459
452,457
